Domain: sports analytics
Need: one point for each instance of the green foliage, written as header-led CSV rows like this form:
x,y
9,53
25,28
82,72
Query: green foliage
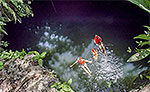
x,y
141,87
63,87
1,65
53,75
109,84
148,77
70,81
38,56
14,55
141,76
129,50
3,43
13,10
143,4
141,53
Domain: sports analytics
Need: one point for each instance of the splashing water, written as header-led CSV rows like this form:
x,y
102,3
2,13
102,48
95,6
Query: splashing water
x,y
107,67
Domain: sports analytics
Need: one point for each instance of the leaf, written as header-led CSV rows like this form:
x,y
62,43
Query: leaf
x,y
70,81
1,65
59,86
2,23
40,62
61,90
144,4
54,85
21,57
148,77
35,58
9,10
141,87
64,83
21,1
148,61
43,55
145,43
139,55
3,30
134,1
108,84
33,52
58,83
66,88
4,19
141,76
52,74
129,50
142,36
148,27
143,7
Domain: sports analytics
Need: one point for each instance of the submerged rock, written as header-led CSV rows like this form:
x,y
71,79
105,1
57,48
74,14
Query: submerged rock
x,y
25,76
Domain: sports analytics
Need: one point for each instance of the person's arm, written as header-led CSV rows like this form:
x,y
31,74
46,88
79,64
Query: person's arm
x,y
88,61
73,63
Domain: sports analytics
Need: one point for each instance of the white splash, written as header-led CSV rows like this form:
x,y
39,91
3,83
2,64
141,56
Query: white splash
x,y
107,67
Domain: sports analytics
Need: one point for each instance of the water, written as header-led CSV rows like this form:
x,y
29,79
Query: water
x,y
68,34
108,67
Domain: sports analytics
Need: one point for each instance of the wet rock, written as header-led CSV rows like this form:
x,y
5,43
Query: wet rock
x,y
141,83
25,76
145,89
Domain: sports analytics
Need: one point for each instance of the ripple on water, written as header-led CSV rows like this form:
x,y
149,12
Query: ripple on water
x,y
107,67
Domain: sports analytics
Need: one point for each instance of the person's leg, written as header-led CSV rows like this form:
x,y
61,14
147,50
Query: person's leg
x,y
103,47
100,48
85,65
85,69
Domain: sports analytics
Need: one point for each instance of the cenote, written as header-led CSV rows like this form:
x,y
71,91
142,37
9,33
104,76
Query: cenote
x,y
66,32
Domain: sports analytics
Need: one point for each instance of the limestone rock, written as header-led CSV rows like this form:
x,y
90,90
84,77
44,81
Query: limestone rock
x,y
25,76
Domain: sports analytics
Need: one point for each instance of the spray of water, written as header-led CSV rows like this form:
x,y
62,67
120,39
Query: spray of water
x,y
107,67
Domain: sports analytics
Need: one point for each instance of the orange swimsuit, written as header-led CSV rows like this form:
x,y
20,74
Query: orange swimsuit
x,y
81,61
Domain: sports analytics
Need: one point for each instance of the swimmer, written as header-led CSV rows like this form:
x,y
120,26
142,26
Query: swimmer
x,y
95,54
98,42
83,64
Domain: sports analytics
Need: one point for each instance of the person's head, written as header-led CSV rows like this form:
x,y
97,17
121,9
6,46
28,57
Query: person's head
x,y
95,36
80,58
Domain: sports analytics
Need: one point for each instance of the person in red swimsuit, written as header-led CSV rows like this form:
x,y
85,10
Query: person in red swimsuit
x,y
82,63
95,54
98,42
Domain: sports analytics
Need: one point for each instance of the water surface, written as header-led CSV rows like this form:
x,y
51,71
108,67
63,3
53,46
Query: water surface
x,y
68,33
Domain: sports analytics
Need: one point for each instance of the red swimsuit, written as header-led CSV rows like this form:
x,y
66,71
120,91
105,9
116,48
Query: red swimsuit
x,y
81,61
97,39
94,52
